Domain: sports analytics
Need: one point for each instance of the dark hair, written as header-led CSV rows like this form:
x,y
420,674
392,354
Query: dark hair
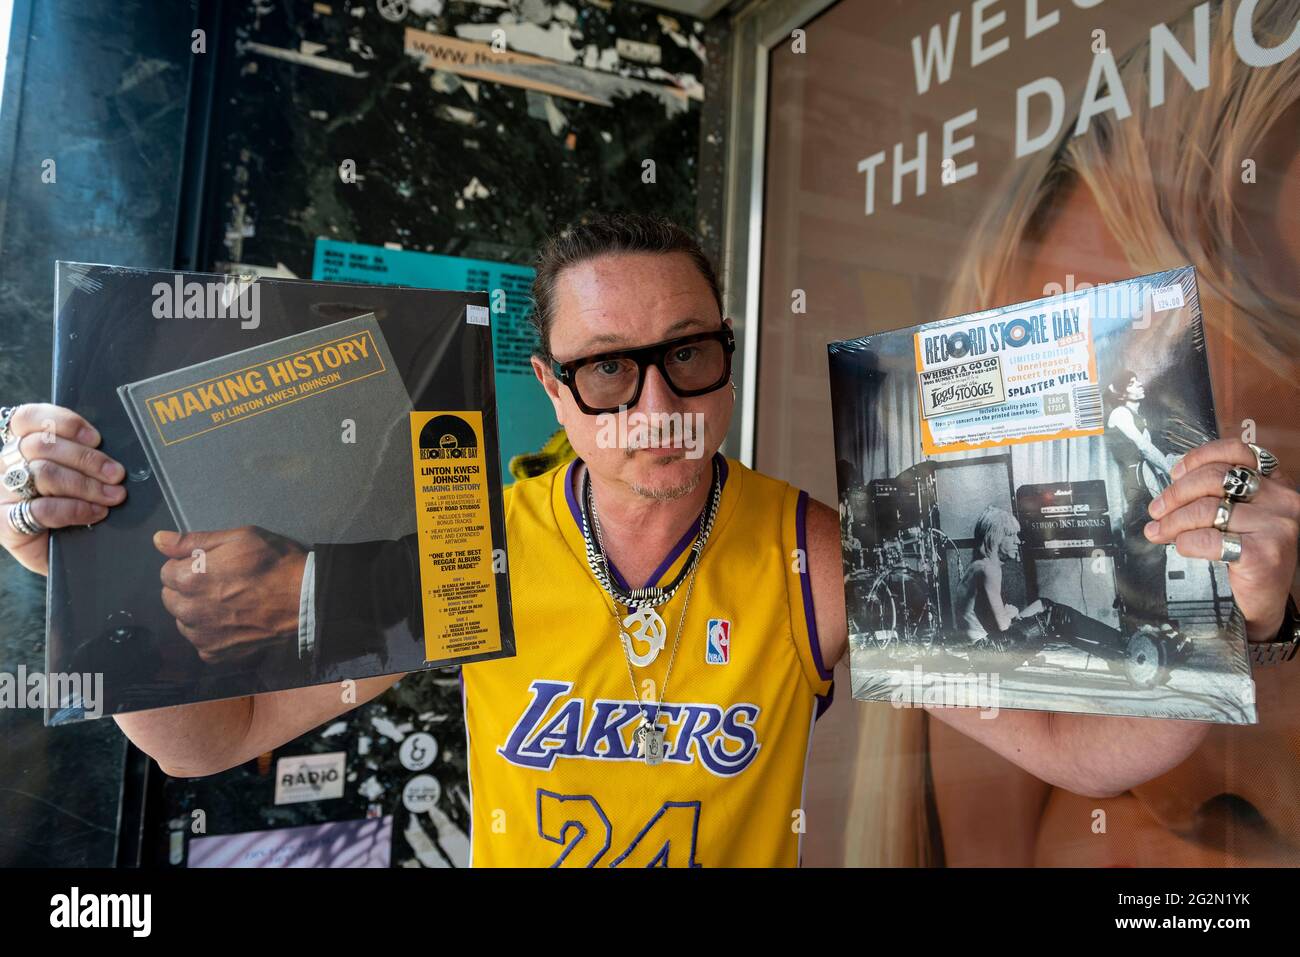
x,y
1118,386
603,235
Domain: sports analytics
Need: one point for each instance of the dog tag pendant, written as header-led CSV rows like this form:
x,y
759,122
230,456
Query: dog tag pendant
x,y
650,743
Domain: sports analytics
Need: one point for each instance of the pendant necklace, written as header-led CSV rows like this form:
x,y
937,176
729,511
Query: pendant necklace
x,y
642,623
649,735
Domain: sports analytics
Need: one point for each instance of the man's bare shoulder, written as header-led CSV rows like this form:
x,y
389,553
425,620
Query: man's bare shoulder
x,y
823,522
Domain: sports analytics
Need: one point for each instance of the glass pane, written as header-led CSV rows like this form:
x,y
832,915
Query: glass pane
x,y
917,168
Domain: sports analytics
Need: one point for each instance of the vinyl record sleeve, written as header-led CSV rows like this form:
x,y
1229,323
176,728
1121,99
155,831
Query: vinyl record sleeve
x,y
994,476
338,439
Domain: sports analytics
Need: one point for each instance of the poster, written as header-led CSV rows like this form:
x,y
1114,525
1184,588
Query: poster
x,y
364,843
930,160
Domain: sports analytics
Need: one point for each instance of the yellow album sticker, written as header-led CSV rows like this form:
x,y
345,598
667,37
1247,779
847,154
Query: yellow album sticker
x,y
457,586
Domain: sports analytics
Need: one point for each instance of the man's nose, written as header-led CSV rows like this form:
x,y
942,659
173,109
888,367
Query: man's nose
x,y
656,393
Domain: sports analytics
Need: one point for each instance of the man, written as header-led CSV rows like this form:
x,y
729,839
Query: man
x,y
981,608
684,742
1145,470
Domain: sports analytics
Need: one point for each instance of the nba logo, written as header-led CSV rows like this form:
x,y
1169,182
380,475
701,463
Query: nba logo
x,y
718,649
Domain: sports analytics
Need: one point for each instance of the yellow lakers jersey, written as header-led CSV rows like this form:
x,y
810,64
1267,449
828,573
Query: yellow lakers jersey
x,y
555,775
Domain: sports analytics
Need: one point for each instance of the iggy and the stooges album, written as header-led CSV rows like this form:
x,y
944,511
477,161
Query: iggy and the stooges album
x,y
995,471
313,487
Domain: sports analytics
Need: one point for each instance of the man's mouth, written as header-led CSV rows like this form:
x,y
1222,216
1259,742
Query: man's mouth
x,y
663,452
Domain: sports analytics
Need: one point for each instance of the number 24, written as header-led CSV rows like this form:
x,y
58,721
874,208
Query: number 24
x,y
577,822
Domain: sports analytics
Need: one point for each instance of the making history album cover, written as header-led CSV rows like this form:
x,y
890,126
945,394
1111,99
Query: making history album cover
x,y
329,454
995,471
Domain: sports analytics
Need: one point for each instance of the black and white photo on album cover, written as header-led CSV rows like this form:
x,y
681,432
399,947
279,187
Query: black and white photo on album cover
x,y
994,475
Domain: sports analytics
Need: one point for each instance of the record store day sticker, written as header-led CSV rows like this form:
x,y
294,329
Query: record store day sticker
x,y
1025,375
457,582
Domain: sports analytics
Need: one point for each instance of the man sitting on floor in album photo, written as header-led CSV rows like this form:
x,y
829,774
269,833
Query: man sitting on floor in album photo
x,y
685,743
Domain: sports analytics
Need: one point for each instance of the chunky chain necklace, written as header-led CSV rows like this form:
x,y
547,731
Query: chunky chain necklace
x,y
651,596
644,623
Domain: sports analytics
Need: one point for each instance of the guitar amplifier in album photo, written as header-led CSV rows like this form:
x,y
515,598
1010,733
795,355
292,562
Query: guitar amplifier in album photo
x,y
329,454
1009,458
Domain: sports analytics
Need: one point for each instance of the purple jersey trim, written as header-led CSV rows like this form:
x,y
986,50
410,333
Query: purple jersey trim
x,y
824,701
677,549
805,583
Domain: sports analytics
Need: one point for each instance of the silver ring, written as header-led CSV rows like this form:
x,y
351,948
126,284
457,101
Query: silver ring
x,y
6,414
18,479
1265,461
1223,514
25,510
21,520
1240,483
17,474
27,519
1230,549
11,454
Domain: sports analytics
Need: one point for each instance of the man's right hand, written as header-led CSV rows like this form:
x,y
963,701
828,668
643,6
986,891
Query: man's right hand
x,y
77,482
234,593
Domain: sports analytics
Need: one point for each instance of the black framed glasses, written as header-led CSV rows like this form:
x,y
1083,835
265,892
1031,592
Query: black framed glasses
x,y
691,365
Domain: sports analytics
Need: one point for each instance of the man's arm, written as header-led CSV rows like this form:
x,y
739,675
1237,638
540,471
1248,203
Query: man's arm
x,y
826,569
989,809
1088,754
1122,419
1003,613
193,740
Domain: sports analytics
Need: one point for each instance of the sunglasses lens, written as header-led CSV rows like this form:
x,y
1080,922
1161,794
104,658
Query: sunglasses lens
x,y
695,366
607,384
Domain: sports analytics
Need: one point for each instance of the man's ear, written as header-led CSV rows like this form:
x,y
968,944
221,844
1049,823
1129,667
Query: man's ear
x,y
552,385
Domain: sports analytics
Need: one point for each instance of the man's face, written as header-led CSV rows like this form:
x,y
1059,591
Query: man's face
x,y
622,301
1009,547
